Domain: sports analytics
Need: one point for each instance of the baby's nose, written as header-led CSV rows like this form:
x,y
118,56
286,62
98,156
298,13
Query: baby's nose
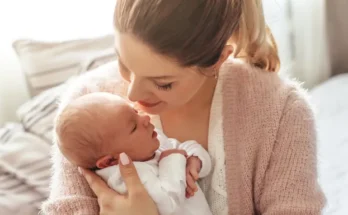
x,y
146,120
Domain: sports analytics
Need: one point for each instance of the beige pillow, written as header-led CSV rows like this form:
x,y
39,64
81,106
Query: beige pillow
x,y
48,64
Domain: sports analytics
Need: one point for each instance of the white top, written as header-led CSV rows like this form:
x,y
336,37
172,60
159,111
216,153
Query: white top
x,y
166,180
214,185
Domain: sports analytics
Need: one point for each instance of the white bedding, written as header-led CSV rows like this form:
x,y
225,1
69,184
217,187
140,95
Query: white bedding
x,y
331,102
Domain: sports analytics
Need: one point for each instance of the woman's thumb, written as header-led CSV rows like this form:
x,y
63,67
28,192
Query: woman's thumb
x,y
129,174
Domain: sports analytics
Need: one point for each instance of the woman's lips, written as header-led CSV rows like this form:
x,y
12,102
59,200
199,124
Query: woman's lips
x,y
145,104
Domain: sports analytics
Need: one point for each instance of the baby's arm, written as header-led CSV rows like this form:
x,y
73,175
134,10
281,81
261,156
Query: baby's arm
x,y
168,188
195,149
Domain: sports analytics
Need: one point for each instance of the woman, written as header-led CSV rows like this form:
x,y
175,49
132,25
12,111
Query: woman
x,y
206,70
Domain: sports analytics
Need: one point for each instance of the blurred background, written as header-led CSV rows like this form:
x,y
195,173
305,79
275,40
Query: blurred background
x,y
43,43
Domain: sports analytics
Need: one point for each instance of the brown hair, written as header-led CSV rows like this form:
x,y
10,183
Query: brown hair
x,y
194,32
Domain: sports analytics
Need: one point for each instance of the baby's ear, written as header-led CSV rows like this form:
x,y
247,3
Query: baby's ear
x,y
106,161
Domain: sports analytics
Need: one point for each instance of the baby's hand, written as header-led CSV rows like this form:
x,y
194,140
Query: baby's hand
x,y
172,151
193,167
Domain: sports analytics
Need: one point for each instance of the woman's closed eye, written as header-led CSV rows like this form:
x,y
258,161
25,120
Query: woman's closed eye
x,y
164,86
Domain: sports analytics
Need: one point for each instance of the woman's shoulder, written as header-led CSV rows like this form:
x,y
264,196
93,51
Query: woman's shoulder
x,y
261,88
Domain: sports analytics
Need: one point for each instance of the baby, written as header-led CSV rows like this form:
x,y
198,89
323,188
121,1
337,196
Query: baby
x,y
95,128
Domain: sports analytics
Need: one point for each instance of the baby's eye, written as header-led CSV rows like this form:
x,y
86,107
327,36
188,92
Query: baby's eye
x,y
135,128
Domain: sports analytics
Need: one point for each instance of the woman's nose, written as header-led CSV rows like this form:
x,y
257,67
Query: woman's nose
x,y
135,91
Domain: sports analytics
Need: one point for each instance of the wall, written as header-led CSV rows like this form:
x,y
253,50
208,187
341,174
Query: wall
x,y
43,20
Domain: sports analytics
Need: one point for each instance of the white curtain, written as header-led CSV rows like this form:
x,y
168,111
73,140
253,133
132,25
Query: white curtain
x,y
277,18
311,63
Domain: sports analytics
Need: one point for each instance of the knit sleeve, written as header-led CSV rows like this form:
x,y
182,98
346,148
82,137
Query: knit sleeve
x,y
290,184
70,193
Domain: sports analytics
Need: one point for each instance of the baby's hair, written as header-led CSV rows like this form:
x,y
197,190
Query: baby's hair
x,y
74,138
78,137
195,32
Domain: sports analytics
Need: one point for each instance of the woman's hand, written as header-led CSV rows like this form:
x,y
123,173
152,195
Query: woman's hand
x,y
136,202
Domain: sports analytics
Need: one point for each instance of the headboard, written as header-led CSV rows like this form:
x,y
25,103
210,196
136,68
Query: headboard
x,y
337,27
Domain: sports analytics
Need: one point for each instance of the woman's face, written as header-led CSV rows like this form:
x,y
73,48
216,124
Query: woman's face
x,y
156,82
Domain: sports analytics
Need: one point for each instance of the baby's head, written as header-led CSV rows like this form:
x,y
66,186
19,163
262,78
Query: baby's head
x,y
95,128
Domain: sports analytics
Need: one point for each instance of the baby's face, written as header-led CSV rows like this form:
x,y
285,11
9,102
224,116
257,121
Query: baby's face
x,y
134,134
94,129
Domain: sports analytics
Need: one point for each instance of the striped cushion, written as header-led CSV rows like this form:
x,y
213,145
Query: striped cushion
x,y
36,115
48,64
24,171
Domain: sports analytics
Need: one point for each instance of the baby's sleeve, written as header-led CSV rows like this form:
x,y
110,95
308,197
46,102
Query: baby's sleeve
x,y
195,149
167,189
191,147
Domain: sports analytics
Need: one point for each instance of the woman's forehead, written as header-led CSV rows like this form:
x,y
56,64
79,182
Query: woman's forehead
x,y
140,58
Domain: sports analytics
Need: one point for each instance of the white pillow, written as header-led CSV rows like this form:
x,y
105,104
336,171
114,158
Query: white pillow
x,y
48,64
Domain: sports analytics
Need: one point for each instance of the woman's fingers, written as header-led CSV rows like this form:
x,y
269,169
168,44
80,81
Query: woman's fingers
x,y
130,175
95,182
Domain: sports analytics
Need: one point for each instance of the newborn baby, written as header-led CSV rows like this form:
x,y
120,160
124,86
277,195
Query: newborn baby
x,y
95,128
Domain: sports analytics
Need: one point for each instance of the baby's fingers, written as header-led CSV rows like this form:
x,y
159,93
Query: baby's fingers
x,y
189,192
194,174
191,183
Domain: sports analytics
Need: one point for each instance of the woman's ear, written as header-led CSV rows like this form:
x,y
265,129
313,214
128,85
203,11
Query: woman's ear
x,y
106,161
226,52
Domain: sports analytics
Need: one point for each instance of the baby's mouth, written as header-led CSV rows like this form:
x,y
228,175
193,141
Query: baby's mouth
x,y
154,134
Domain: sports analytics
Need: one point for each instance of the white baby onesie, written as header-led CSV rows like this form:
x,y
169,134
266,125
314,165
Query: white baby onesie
x,y
165,181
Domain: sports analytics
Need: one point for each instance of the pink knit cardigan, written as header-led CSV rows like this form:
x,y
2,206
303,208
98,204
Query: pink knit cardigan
x,y
270,147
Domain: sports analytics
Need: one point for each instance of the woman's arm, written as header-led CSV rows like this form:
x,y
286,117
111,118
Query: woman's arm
x,y
69,192
290,183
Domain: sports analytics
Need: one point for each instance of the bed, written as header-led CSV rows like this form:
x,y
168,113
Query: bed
x,y
330,100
